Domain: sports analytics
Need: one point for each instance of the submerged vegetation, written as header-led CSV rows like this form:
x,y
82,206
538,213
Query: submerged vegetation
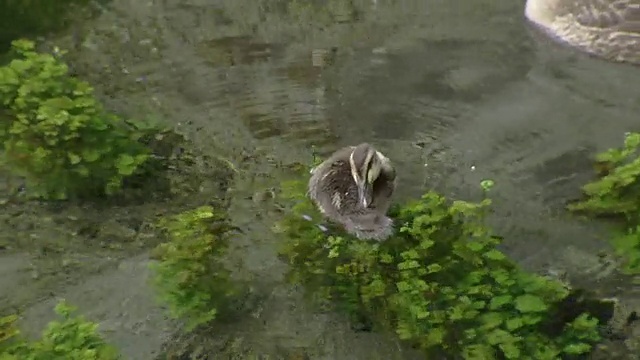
x,y
34,17
71,338
190,274
440,283
616,193
57,135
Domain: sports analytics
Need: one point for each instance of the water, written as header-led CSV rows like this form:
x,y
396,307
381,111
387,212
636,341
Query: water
x,y
453,92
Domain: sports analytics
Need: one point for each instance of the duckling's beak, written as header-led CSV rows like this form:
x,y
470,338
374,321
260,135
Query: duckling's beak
x,y
365,193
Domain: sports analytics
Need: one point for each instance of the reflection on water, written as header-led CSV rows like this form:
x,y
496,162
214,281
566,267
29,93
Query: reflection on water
x,y
453,92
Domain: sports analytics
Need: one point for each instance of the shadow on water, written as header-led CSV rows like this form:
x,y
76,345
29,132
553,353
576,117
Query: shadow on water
x,y
453,92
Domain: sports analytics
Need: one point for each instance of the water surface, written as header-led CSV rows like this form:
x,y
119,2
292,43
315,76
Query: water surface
x,y
453,92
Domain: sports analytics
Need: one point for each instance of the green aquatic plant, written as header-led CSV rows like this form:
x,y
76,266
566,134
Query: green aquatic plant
x,y
440,282
616,193
70,338
190,275
56,133
627,246
8,332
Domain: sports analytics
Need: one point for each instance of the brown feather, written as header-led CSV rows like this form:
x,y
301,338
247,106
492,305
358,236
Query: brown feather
x,y
333,189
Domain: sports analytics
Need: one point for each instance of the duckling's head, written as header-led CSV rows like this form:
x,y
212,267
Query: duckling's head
x,y
366,165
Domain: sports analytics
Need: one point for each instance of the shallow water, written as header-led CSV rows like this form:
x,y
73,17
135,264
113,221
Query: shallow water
x,y
453,92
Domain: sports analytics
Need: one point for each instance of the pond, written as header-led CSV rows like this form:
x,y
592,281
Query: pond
x,y
453,92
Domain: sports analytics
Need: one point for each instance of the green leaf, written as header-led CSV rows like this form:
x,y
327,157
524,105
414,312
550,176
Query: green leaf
x,y
73,158
475,246
386,259
90,154
478,351
502,277
491,320
499,301
495,255
577,349
81,170
456,313
514,323
126,164
59,103
403,286
530,303
532,318
435,336
510,350
408,265
426,244
433,268
498,336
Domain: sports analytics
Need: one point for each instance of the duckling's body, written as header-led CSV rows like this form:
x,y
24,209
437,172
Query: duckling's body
x,y
606,28
353,187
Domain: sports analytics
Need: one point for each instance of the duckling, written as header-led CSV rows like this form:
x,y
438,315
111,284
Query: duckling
x,y
353,187
606,28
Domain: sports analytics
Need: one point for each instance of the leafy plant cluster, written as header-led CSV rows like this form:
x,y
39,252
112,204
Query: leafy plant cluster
x,y
70,338
616,193
440,283
57,134
190,275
